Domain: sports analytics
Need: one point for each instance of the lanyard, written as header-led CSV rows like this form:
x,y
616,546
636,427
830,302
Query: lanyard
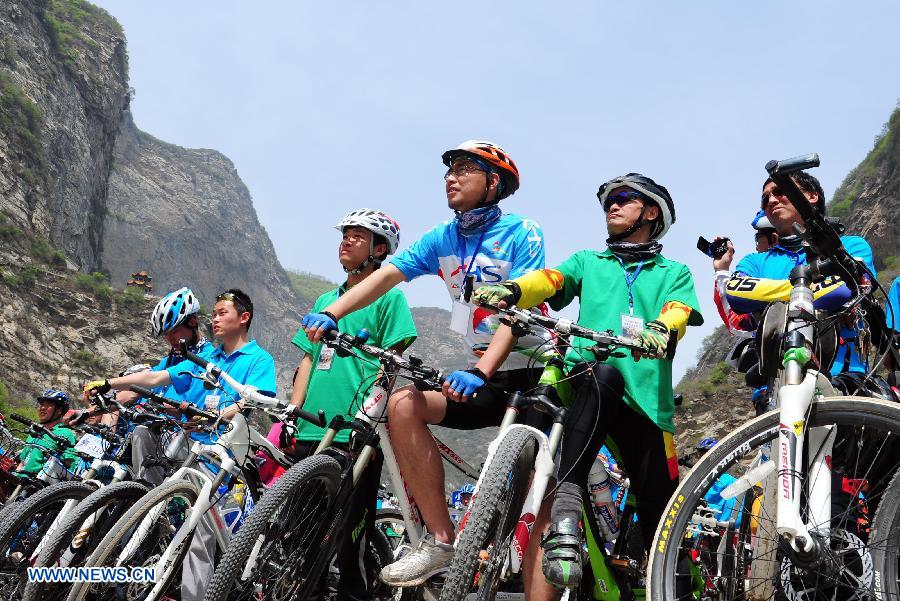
x,y
462,260
630,282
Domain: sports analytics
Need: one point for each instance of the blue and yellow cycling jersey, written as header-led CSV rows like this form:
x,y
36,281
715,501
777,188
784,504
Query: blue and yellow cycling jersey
x,y
507,249
762,278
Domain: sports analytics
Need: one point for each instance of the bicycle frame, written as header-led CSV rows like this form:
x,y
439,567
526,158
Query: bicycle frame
x,y
232,450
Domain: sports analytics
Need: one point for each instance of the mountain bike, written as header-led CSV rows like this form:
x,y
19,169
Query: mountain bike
x,y
817,478
78,532
508,496
26,525
289,542
158,530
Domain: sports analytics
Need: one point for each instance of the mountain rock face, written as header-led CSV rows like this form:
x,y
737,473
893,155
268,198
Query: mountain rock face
x,y
76,171
64,74
185,216
869,199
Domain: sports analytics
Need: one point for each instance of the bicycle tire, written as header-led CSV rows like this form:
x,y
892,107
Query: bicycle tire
x,y
318,476
858,419
125,494
886,526
165,492
16,550
493,517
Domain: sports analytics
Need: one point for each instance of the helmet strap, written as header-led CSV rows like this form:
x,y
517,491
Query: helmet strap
x,y
369,260
638,223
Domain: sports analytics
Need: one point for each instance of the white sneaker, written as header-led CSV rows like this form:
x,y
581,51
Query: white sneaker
x,y
430,557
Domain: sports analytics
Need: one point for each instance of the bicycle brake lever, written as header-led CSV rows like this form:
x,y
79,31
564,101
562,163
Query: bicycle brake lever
x,y
207,383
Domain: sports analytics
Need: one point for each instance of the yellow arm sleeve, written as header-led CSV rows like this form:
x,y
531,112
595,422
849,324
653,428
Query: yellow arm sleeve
x,y
675,316
537,286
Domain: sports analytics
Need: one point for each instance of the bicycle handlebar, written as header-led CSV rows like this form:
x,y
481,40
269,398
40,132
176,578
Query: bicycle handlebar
x,y
567,327
821,236
188,410
40,428
282,409
424,377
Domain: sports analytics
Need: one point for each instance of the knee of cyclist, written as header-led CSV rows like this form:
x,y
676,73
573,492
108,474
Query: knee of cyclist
x,y
610,377
401,405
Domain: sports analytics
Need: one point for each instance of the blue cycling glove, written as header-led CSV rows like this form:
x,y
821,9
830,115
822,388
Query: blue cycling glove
x,y
466,383
323,320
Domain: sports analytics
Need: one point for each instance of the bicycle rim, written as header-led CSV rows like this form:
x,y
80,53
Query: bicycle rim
x,y
689,559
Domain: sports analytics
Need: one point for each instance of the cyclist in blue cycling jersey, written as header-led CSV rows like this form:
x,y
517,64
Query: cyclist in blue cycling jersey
x,y
479,246
246,362
762,277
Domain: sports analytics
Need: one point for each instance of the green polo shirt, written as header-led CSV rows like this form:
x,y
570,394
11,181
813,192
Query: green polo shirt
x,y
34,459
598,280
337,385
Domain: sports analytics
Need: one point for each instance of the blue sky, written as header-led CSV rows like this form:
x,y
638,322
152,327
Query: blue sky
x,y
329,106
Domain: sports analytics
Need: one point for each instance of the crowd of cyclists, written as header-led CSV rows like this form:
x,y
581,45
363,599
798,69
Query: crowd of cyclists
x,y
486,257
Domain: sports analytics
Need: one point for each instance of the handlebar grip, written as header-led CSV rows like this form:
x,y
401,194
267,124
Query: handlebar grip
x,y
318,419
193,358
794,164
22,420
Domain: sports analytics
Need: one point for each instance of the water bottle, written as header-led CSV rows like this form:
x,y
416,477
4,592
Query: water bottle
x,y
605,512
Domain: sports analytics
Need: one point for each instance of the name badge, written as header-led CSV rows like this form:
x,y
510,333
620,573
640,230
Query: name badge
x,y
632,325
92,445
460,317
325,357
212,401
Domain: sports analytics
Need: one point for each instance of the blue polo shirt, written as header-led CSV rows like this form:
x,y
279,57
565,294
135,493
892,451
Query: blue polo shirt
x,y
250,364
777,263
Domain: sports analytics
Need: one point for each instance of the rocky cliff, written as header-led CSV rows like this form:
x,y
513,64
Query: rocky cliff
x,y
76,173
64,73
185,216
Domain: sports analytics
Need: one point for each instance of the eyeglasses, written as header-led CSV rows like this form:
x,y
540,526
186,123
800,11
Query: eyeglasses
x,y
463,169
621,198
227,296
773,192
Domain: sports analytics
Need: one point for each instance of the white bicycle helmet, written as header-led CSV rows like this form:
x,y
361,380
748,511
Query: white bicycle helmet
x,y
173,309
376,222
656,193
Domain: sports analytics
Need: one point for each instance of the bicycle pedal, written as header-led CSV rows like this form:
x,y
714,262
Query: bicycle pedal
x,y
626,566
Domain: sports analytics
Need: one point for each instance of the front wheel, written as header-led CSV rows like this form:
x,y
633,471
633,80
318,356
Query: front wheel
x,y
271,555
25,527
485,542
139,539
697,555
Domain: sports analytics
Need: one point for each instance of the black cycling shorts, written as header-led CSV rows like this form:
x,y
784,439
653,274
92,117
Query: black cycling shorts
x,y
486,409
